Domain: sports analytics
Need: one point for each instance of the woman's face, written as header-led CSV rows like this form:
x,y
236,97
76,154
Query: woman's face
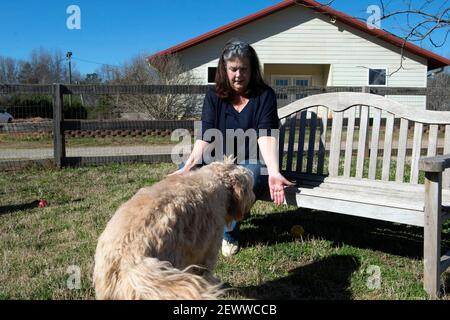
x,y
238,73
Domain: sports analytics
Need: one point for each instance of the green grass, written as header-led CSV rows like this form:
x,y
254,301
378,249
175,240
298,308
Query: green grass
x,y
10,141
331,261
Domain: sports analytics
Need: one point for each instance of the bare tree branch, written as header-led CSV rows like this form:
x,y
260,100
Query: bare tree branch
x,y
425,20
165,70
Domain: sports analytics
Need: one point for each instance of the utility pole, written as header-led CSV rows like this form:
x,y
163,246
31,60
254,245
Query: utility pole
x,y
69,59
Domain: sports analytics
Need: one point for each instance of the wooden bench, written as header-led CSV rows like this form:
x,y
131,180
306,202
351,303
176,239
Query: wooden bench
x,y
349,151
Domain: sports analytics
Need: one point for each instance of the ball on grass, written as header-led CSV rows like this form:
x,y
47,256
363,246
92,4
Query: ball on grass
x,y
42,203
297,231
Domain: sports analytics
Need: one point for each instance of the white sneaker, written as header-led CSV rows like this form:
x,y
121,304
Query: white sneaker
x,y
229,248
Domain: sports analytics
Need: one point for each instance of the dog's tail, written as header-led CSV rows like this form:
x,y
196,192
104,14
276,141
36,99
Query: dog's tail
x,y
154,279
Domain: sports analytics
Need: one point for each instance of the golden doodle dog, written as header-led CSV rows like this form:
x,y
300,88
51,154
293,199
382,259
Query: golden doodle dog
x,y
154,244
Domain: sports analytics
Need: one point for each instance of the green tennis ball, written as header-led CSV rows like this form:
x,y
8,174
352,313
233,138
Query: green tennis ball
x,y
297,231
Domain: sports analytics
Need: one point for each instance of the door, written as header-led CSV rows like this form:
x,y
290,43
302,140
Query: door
x,y
285,97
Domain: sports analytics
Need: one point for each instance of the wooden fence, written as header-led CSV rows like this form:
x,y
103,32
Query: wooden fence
x,y
57,91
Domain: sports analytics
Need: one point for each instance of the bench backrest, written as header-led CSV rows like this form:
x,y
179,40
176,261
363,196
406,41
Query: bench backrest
x,y
360,135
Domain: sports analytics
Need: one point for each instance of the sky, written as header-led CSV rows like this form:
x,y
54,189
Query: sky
x,y
112,32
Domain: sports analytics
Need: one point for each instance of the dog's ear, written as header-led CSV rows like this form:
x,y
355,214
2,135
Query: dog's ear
x,y
240,199
236,207
228,159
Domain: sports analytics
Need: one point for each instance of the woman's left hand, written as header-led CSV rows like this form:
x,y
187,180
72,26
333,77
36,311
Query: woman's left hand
x,y
276,185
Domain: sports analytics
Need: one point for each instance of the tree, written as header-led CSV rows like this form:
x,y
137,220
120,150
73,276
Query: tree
x,y
9,70
26,74
43,67
48,67
439,92
417,20
109,74
92,78
424,20
164,70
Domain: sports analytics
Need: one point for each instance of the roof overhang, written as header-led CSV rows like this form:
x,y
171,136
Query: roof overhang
x,y
434,60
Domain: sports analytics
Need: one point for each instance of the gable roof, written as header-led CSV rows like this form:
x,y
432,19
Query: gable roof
x,y
434,60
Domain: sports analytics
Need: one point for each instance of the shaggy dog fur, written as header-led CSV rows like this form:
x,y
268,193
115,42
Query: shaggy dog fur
x,y
153,245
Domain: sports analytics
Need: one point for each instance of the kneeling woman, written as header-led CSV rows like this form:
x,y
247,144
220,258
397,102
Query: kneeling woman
x,y
242,100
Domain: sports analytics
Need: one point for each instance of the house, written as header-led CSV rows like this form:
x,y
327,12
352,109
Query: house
x,y
304,43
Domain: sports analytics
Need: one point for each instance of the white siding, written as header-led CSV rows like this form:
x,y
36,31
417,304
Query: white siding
x,y
301,36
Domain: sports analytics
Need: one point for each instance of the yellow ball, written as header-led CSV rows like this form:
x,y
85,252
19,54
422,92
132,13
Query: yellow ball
x,y
297,231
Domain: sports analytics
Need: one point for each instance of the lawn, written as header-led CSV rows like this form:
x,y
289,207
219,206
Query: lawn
x,y
24,141
339,257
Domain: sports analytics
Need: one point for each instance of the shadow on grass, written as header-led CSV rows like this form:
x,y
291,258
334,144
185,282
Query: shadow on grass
x,y
32,205
392,238
18,207
313,281
446,284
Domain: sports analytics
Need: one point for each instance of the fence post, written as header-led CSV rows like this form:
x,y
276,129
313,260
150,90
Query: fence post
x,y
59,146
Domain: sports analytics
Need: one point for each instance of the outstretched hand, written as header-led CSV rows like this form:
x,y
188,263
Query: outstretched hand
x,y
276,186
179,172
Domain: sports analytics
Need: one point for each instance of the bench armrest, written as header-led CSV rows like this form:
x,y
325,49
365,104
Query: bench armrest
x,y
434,164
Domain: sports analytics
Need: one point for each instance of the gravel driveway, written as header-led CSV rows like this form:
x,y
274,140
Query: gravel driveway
x,y
44,153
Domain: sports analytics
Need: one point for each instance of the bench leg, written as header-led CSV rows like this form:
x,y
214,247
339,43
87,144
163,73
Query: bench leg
x,y
432,233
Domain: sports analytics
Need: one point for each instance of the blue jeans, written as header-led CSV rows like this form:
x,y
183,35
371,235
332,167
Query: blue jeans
x,y
259,185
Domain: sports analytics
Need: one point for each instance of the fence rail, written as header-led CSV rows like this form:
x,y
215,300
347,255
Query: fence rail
x,y
192,89
60,125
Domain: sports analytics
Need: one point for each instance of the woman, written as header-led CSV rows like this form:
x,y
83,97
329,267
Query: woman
x,y
242,100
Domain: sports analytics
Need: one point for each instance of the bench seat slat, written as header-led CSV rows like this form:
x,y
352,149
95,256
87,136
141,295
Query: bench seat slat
x,y
364,183
348,204
361,196
396,197
373,189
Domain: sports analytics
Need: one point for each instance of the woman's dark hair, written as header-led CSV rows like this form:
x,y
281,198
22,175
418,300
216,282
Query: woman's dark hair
x,y
238,49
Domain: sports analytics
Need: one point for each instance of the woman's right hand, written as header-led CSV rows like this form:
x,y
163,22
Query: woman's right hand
x,y
195,157
179,172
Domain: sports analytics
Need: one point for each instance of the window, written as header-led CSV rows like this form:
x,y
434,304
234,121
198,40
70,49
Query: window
x,y
281,96
212,74
377,77
302,83
300,96
281,83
